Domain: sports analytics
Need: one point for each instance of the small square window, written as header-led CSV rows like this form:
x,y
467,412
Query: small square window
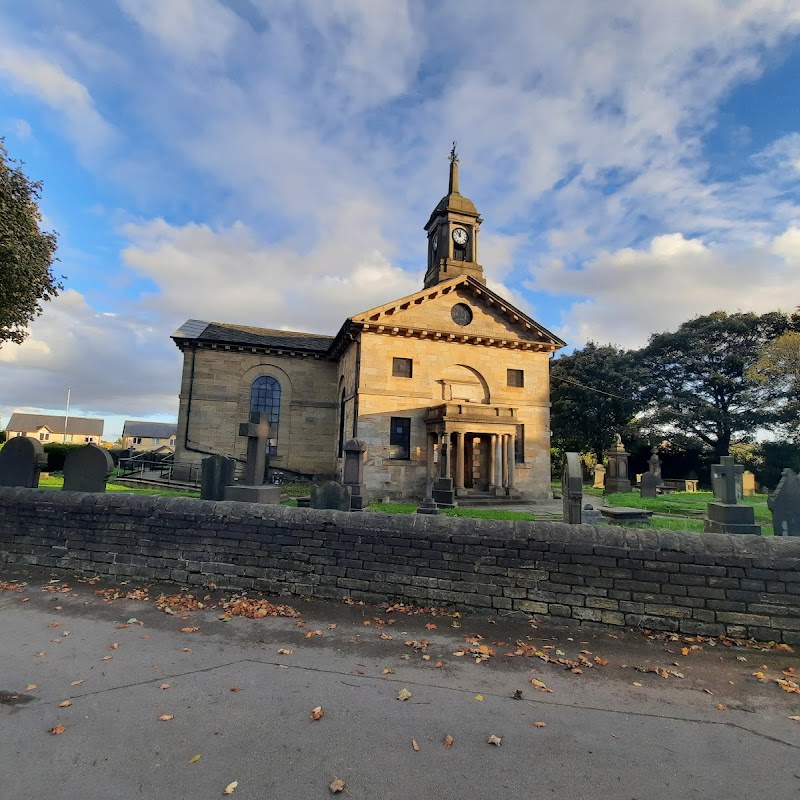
x,y
516,377
401,367
43,437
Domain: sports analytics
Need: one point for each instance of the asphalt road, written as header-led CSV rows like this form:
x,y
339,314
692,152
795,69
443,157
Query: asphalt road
x,y
604,737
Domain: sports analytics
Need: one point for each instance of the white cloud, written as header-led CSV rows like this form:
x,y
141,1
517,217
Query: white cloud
x,y
631,293
28,72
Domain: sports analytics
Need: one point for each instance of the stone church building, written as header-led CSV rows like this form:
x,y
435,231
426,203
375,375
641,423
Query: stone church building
x,y
453,370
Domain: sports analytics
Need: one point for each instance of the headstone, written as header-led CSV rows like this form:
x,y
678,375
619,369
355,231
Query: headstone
x,y
591,516
784,503
428,506
353,473
21,462
727,516
622,515
87,469
727,488
654,464
443,493
599,477
748,484
648,486
572,489
216,472
252,488
617,477
331,495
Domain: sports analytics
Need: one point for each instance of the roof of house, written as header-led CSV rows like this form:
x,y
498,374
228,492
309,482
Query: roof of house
x,y
244,335
86,426
149,430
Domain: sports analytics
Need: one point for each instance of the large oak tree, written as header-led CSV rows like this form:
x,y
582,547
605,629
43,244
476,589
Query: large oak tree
x,y
27,252
698,384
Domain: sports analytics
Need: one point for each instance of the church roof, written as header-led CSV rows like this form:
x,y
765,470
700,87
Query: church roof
x,y
245,335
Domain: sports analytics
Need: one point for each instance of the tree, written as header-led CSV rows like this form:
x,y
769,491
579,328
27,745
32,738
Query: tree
x,y
593,395
698,383
26,252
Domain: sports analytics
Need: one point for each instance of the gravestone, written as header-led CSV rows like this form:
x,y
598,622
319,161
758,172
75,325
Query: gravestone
x,y
728,516
654,464
21,462
353,473
627,517
572,489
718,483
748,484
784,503
216,472
252,488
331,495
428,506
599,477
617,477
648,486
87,469
591,516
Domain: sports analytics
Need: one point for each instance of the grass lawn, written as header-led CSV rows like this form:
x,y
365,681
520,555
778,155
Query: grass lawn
x,y
472,513
56,481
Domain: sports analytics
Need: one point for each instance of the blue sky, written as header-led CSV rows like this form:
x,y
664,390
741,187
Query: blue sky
x,y
273,163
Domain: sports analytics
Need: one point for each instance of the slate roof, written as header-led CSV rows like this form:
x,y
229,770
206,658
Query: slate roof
x,y
86,426
247,336
149,430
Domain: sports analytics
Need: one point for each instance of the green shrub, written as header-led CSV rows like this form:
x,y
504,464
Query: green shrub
x,y
57,453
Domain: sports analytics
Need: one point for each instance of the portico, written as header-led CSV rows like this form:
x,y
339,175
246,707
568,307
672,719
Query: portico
x,y
473,444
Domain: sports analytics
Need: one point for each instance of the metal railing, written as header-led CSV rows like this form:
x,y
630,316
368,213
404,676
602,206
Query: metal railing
x,y
160,470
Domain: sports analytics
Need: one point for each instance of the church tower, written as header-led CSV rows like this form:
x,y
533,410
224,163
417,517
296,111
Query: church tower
x,y
453,235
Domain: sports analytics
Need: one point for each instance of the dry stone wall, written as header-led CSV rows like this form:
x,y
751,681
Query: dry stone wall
x,y
688,582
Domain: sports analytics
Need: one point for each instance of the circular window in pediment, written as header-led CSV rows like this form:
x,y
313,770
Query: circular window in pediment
x,y
461,314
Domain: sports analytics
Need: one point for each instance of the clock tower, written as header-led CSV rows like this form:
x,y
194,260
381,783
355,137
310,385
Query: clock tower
x,y
453,235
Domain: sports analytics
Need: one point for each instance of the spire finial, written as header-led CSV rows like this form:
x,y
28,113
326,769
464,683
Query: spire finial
x,y
453,171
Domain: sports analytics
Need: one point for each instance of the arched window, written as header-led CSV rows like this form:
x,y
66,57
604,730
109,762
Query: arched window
x,y
265,395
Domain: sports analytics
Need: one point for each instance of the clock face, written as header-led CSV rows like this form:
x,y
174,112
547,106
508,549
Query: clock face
x,y
460,236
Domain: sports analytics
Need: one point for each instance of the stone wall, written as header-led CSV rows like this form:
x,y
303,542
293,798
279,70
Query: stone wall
x,y
663,580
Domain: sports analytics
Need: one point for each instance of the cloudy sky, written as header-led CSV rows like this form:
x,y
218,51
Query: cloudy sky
x,y
272,163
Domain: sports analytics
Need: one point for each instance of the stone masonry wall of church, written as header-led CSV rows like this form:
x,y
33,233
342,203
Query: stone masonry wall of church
x,y
383,396
708,584
221,400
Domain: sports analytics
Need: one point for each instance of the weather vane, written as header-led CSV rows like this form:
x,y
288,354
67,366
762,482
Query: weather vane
x,y
453,155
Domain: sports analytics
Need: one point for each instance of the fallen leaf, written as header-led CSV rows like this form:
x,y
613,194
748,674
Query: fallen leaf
x,y
185,649
53,624
317,713
385,636
540,685
403,694
195,759
601,661
387,671
190,630
234,689
795,719
438,665
431,626
114,646
166,686
57,729
414,746
516,694
479,697
331,625
65,704
337,785
539,724
285,651
230,788
30,687
448,741
166,717
720,707
495,740
39,655
636,683
106,658
76,683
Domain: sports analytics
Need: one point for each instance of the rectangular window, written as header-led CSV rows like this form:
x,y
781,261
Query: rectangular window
x,y
67,438
516,377
400,438
88,438
172,442
43,437
156,441
401,367
519,444
137,440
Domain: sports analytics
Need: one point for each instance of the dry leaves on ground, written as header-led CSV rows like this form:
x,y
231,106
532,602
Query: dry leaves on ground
x,y
230,788
539,724
166,717
65,704
317,713
448,741
56,730
193,629
336,785
414,746
403,694
240,606
495,740
285,651
76,683
195,759
30,687
540,685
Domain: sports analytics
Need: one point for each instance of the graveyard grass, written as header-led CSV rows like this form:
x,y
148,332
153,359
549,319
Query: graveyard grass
x,y
56,481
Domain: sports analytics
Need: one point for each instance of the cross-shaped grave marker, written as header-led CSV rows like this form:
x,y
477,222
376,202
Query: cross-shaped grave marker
x,y
728,470
257,433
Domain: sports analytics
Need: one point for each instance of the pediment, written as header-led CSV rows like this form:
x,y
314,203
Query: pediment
x,y
459,309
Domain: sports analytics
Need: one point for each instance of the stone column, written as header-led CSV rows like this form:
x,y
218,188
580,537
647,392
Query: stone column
x,y
459,462
504,460
511,463
498,463
443,455
492,460
431,471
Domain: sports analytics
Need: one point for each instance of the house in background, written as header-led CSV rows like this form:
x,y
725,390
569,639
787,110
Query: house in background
x,y
142,436
50,428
